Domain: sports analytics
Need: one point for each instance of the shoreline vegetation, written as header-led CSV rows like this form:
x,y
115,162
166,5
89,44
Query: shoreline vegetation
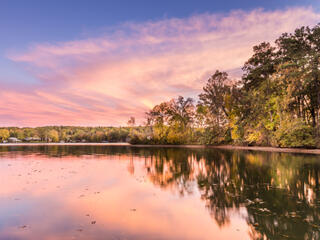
x,y
276,104
225,147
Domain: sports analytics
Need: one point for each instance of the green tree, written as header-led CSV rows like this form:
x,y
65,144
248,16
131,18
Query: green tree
x,y
172,121
260,66
219,95
301,52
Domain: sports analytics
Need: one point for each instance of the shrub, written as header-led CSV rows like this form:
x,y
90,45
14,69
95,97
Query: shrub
x,y
295,133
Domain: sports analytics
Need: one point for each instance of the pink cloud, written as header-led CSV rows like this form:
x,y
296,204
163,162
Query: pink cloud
x,y
104,80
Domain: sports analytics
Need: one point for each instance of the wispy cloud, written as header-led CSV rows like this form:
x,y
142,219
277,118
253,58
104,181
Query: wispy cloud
x,y
104,80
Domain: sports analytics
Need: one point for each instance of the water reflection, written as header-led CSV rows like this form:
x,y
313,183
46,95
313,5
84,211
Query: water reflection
x,y
253,195
279,191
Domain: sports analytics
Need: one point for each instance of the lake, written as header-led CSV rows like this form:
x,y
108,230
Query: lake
x,y
122,192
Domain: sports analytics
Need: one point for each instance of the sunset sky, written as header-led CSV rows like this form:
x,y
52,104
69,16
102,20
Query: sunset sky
x,y
96,63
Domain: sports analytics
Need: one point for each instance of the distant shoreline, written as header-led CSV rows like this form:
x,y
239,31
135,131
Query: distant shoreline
x,y
64,144
228,147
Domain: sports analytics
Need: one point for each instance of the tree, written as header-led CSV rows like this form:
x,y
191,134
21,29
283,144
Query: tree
x,y
53,135
4,134
181,111
158,114
178,110
131,122
260,66
219,95
172,121
302,51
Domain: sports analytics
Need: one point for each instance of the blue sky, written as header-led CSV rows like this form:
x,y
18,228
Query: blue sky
x,y
42,43
22,22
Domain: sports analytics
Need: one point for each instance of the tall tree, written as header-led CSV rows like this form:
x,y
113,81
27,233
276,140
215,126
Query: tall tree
x,y
218,95
301,50
260,66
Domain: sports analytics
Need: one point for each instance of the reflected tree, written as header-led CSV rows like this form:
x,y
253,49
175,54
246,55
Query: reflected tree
x,y
280,192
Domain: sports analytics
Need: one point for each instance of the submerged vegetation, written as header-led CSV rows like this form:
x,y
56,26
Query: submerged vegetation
x,y
276,103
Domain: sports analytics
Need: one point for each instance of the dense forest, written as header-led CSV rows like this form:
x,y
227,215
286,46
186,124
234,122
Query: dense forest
x,y
275,103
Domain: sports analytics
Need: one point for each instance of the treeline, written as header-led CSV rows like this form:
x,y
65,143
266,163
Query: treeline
x,y
66,134
275,103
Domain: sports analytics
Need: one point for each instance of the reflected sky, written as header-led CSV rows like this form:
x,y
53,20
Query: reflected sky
x,y
98,192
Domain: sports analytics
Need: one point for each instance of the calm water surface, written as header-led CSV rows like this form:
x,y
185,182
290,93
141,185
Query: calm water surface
x,y
98,192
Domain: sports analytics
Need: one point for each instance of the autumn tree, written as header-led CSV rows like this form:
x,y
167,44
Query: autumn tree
x,y
4,134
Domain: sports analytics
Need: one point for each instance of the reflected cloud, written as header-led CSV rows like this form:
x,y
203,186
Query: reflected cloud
x,y
155,192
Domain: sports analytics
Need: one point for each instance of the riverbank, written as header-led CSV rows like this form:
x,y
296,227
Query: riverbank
x,y
230,147
245,148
